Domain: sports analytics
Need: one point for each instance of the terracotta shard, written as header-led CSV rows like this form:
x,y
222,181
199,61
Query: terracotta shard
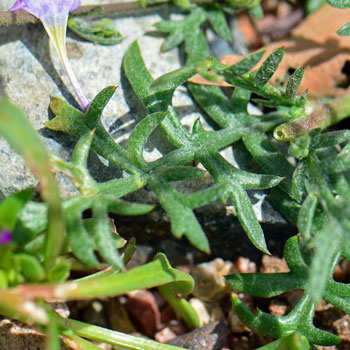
x,y
315,45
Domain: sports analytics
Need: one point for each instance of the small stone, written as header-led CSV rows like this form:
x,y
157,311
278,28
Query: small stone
x,y
341,271
203,314
165,335
210,282
15,335
273,264
216,312
211,337
240,343
61,309
342,327
278,307
177,327
245,265
144,312
236,326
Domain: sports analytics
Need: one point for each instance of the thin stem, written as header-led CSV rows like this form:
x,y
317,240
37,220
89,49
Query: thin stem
x,y
121,340
57,35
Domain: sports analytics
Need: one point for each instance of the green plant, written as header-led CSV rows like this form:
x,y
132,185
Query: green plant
x,y
313,195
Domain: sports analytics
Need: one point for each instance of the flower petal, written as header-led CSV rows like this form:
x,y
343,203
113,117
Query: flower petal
x,y
19,5
54,15
75,5
48,11
5,237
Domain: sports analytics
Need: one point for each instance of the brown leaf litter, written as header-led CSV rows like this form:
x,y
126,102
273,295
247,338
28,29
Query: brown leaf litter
x,y
315,45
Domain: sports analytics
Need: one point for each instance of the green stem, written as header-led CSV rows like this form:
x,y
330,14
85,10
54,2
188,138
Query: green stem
x,y
74,342
121,340
320,116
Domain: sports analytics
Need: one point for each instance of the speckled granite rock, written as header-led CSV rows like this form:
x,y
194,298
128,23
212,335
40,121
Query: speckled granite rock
x,y
30,71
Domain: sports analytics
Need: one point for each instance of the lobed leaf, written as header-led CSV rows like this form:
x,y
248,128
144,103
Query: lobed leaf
x,y
178,173
326,247
247,217
183,220
306,215
243,66
200,198
17,130
269,67
271,160
293,341
11,206
179,30
341,4
294,83
217,20
140,135
101,32
344,30
102,234
79,240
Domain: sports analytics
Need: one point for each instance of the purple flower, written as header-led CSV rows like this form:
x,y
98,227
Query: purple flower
x,y
5,237
54,15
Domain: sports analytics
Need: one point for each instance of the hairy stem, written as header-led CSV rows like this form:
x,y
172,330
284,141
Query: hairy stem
x,y
320,116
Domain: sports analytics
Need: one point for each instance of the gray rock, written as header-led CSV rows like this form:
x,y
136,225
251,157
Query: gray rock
x,y
211,337
30,71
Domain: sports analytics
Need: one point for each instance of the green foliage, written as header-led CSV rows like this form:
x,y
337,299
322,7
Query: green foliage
x,y
180,30
324,225
313,195
313,5
294,83
16,129
294,341
101,32
10,208
341,4
268,285
344,30
111,282
26,219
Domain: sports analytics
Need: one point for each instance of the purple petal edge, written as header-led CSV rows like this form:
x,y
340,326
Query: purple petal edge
x,y
75,5
19,5
5,237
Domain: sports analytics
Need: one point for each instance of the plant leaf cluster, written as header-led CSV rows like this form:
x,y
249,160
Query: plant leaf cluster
x,y
313,195
341,4
100,32
199,145
323,222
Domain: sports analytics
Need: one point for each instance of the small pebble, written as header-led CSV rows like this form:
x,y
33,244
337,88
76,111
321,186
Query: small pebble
x,y
278,307
244,265
342,327
203,314
210,282
165,335
211,337
273,264
236,326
